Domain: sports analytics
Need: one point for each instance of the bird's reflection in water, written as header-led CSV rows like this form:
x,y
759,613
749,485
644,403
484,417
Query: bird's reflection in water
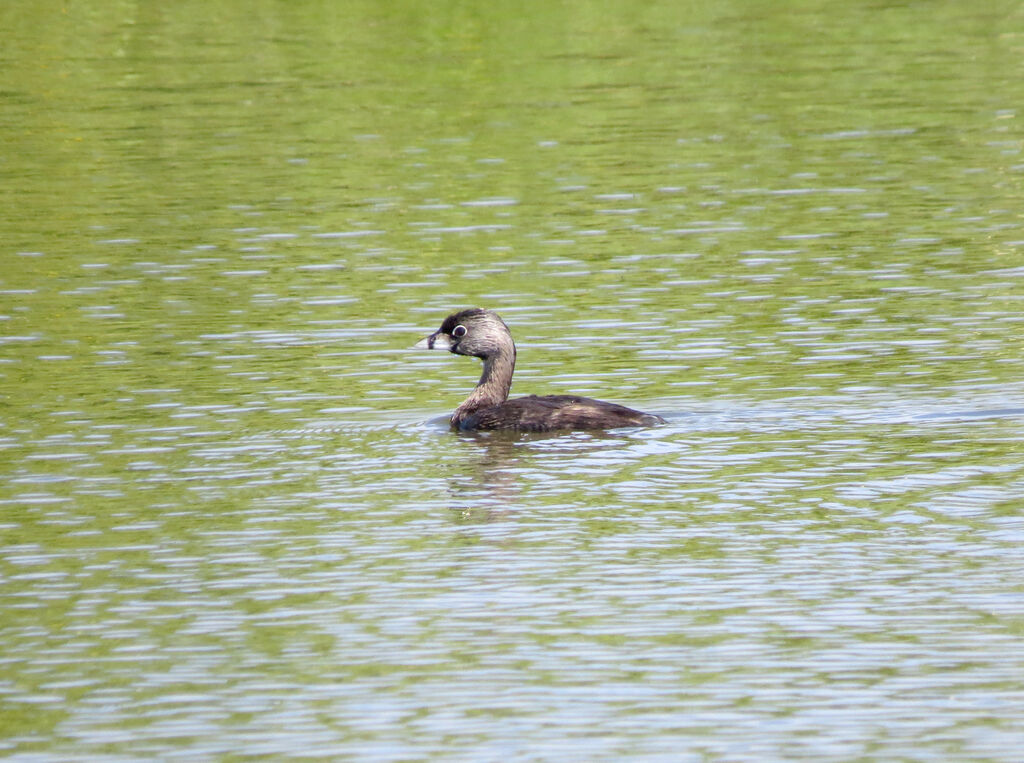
x,y
500,467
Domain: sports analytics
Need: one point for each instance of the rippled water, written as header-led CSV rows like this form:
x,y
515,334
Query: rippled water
x,y
234,521
822,580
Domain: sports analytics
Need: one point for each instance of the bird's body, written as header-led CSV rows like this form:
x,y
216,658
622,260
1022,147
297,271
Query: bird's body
x,y
483,334
544,413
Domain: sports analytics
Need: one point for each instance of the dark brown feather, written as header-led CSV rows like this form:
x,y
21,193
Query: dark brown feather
x,y
553,412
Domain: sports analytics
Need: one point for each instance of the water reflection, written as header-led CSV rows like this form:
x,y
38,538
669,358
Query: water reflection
x,y
227,530
805,537
485,486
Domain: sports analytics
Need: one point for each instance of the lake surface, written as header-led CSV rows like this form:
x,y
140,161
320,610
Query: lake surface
x,y
234,522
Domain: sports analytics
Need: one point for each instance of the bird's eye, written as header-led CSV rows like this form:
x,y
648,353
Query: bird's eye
x,y
459,331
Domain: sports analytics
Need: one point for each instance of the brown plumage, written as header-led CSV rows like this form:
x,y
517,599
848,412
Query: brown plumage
x,y
483,334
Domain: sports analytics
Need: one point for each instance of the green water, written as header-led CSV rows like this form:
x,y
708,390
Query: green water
x,y
230,524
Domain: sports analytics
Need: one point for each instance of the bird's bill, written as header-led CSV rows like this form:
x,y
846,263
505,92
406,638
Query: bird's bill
x,y
436,341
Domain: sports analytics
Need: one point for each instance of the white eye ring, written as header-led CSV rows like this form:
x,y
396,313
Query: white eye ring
x,y
459,331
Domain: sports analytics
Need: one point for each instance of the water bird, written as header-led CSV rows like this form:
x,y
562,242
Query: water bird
x,y
483,334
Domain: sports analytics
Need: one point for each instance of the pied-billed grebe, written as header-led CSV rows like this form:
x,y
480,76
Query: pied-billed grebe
x,y
483,334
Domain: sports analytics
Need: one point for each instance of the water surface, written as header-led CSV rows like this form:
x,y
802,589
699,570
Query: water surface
x,y
232,524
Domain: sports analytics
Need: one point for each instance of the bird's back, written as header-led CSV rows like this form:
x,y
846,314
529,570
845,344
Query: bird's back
x,y
554,412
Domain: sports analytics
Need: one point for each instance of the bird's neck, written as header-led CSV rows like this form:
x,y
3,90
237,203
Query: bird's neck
x,y
494,384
